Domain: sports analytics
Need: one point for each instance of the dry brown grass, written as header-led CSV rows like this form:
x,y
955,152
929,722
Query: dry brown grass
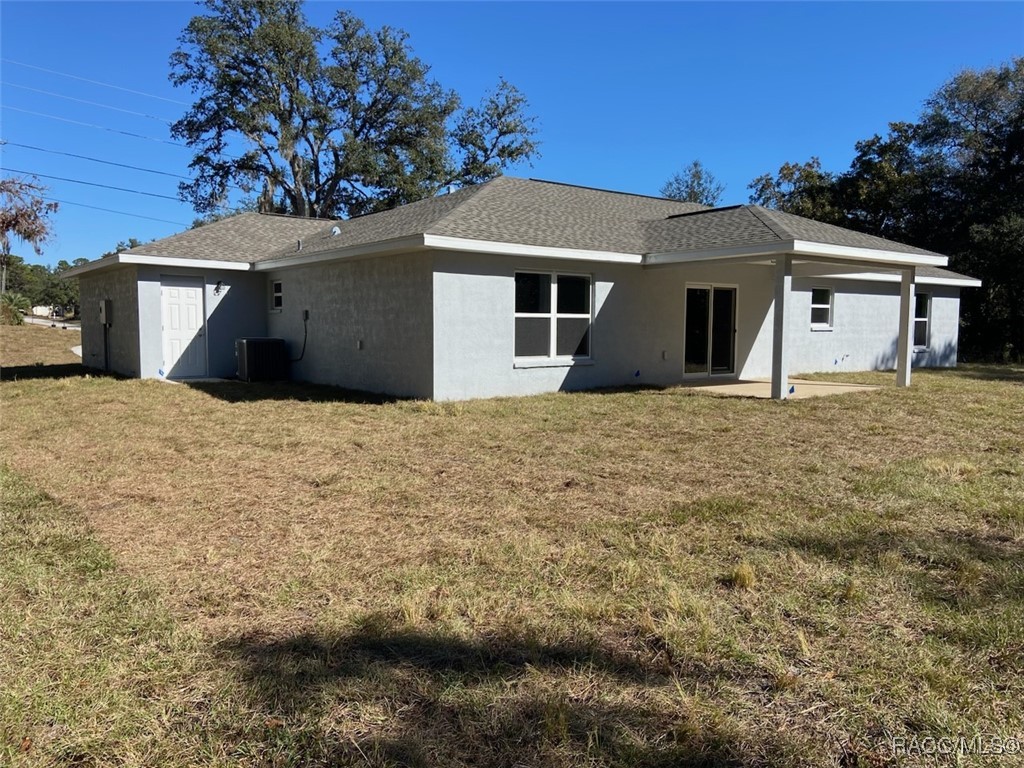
x,y
32,345
541,579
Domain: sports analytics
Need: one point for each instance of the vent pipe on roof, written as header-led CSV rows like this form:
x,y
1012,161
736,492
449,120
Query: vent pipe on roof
x,y
298,245
335,231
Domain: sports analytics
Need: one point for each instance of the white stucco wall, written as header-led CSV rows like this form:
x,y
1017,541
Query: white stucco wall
x,y
234,310
637,327
442,325
370,323
865,327
119,286
639,319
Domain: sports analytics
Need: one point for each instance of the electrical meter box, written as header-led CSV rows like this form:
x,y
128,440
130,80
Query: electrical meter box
x,y
106,313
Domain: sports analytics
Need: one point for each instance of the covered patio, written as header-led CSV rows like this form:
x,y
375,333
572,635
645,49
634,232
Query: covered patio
x,y
799,389
791,245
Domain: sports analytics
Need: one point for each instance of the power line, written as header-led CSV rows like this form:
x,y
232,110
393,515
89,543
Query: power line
x,y
93,159
95,82
4,142
86,101
92,184
111,130
111,210
93,125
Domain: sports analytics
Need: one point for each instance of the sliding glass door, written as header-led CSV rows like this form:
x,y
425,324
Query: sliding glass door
x,y
709,338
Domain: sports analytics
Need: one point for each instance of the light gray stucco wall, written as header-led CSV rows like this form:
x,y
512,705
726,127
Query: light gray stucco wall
x,y
122,344
865,325
235,308
637,332
370,323
944,341
636,336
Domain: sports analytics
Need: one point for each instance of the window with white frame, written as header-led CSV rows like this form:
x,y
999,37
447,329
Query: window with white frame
x,y
922,314
552,315
821,307
276,295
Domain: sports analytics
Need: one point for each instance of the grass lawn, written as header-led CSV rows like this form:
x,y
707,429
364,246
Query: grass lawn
x,y
272,575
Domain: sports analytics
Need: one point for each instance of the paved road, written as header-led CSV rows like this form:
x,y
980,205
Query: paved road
x,y
72,325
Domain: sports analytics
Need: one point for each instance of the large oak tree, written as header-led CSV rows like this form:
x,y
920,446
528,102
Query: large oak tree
x,y
334,121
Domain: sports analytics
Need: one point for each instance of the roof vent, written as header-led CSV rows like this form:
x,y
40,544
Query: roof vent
x,y
335,231
298,245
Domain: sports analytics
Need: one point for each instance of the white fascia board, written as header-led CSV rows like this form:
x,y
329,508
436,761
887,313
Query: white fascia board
x,y
963,283
92,266
802,249
413,243
122,259
445,243
808,248
168,261
881,277
727,253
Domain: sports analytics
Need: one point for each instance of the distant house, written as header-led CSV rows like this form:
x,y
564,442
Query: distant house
x,y
515,287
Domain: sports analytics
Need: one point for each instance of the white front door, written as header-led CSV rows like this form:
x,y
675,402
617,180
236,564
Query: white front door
x,y
184,326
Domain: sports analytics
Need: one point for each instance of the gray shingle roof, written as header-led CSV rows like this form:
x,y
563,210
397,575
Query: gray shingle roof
x,y
244,238
948,274
522,211
545,213
801,228
753,225
510,210
406,220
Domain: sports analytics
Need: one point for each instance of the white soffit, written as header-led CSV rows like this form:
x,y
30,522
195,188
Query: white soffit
x,y
801,249
122,259
379,248
446,243
881,277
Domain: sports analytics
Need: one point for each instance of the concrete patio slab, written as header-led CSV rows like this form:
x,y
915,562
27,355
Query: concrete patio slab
x,y
762,388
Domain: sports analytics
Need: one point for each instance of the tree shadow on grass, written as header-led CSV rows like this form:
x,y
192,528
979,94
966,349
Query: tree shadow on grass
x,y
1013,374
65,371
254,391
961,570
381,696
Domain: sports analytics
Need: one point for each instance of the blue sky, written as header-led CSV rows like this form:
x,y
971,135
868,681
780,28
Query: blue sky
x,y
625,93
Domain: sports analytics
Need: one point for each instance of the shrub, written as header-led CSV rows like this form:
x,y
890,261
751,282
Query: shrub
x,y
13,307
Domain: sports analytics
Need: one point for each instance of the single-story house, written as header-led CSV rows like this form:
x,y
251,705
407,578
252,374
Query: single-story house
x,y
518,286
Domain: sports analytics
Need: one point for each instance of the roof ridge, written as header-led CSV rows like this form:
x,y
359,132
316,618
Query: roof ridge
x,y
479,188
702,211
293,216
608,191
763,215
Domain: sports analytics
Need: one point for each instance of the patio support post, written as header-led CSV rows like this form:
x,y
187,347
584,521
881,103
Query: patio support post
x,y
780,361
905,347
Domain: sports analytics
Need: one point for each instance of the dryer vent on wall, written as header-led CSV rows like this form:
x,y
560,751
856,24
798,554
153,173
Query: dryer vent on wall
x,y
261,359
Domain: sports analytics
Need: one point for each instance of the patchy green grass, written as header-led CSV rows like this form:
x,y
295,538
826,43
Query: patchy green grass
x,y
280,575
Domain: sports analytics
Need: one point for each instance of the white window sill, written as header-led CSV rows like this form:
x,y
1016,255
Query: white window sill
x,y
821,329
921,350
551,362
274,311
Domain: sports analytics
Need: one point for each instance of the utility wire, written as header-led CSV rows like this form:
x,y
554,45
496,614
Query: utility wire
x,y
92,159
93,125
86,101
105,128
91,184
4,142
111,210
94,82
